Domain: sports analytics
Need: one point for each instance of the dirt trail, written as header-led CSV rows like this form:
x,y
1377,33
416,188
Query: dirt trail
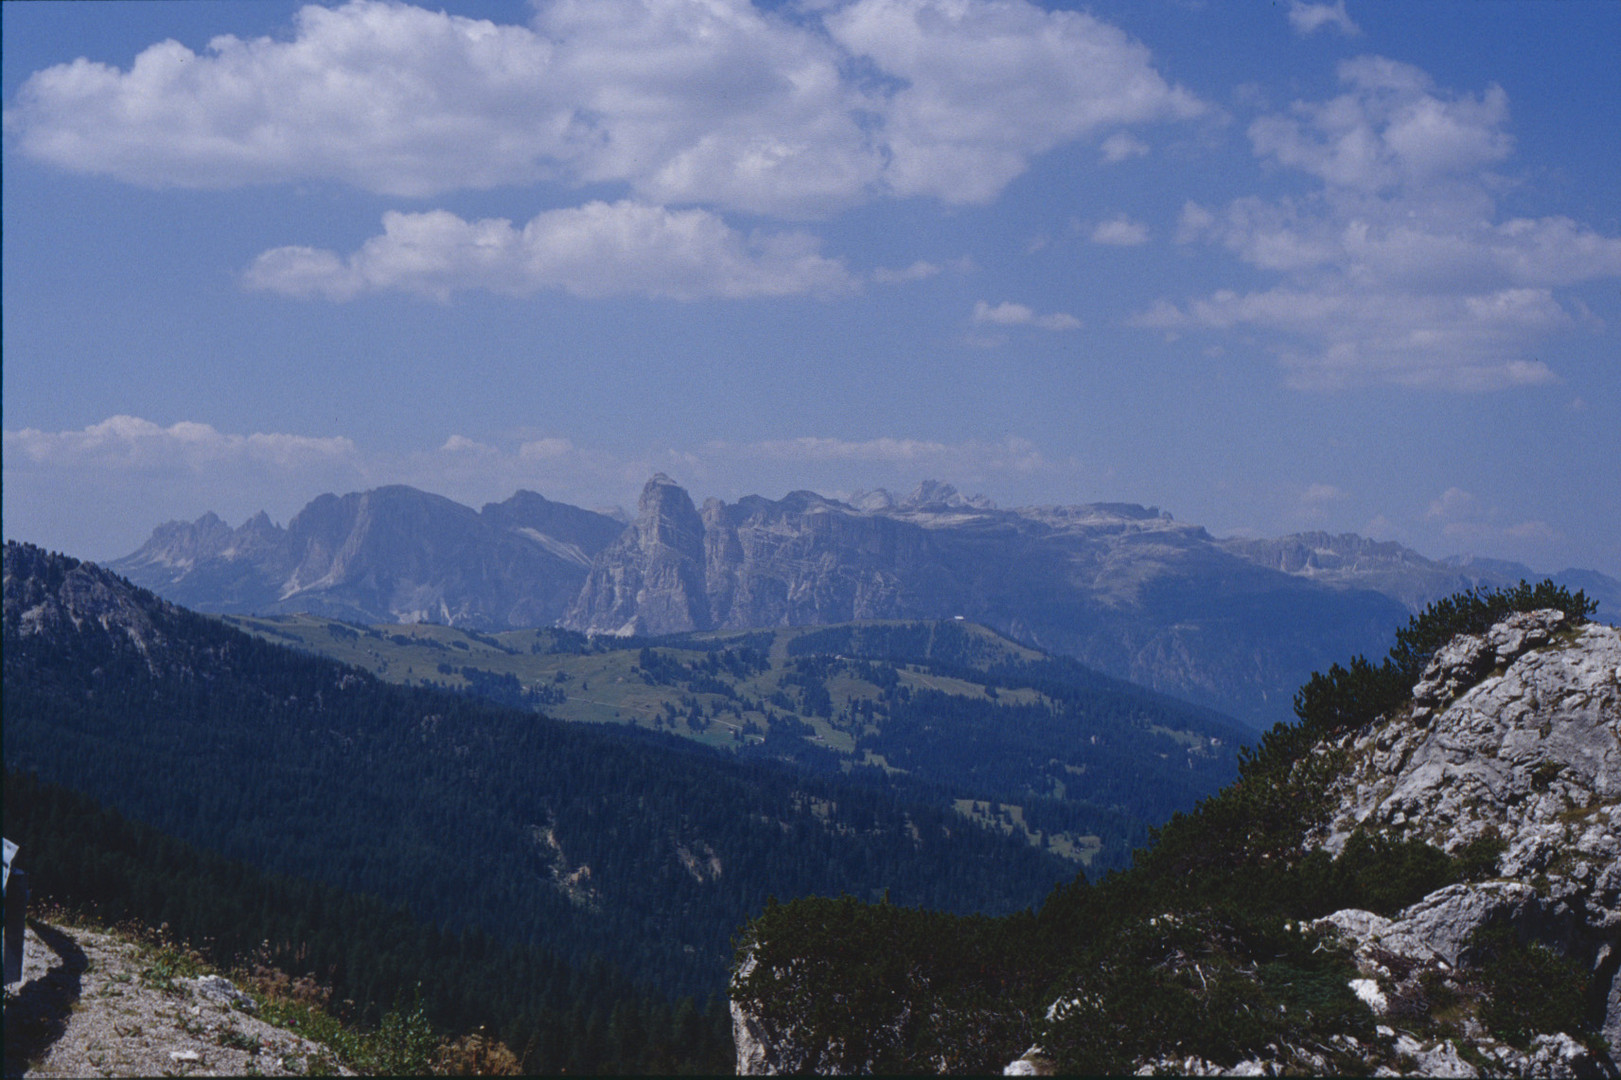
x,y
84,1008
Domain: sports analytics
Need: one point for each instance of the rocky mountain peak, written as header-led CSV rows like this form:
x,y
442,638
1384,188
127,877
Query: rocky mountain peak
x,y
667,521
935,495
46,594
260,525
392,554
655,485
652,578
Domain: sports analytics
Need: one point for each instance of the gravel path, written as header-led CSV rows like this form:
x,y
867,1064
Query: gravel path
x,y
83,1009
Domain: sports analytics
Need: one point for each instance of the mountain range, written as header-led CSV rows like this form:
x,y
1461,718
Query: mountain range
x,y
1233,624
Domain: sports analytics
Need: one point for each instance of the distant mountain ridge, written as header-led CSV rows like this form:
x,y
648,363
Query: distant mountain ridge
x,y
394,554
1403,574
1235,624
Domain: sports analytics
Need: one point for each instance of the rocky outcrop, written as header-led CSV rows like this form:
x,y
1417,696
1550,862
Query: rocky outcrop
x,y
47,594
93,1003
650,580
1514,734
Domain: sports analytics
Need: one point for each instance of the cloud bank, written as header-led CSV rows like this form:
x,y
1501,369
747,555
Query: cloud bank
x,y
786,112
596,250
1310,18
1120,231
1393,269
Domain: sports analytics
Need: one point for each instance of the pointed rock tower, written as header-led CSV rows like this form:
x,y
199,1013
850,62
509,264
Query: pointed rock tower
x,y
650,580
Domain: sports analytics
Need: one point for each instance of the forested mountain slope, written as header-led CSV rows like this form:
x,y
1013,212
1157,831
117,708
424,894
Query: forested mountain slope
x,y
1422,876
949,711
647,851
399,984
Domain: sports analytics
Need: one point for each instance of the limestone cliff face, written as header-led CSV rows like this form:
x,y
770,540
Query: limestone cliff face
x,y
1513,735
650,580
1122,588
808,560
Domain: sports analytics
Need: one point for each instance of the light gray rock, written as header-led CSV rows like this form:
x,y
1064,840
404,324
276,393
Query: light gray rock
x,y
766,1047
1559,1055
221,991
1531,754
1442,1059
1122,588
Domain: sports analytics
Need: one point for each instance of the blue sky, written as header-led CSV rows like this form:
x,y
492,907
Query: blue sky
x,y
1270,267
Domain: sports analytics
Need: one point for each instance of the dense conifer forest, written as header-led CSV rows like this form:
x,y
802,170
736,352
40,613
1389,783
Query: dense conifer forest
x,y
373,957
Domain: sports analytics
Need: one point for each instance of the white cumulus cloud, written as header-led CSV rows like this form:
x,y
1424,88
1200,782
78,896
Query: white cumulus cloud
x,y
97,491
711,102
1120,231
1009,313
1309,18
1122,146
918,271
1394,268
599,249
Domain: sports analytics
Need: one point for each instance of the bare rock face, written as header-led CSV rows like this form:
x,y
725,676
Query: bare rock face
x,y
651,580
1516,734
393,554
46,594
1532,753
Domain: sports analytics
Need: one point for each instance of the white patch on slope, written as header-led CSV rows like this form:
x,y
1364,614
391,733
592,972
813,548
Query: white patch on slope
x,y
566,552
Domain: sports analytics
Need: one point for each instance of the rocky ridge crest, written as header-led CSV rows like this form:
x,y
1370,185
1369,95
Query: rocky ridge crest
x,y
48,595
393,554
1123,588
1516,735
